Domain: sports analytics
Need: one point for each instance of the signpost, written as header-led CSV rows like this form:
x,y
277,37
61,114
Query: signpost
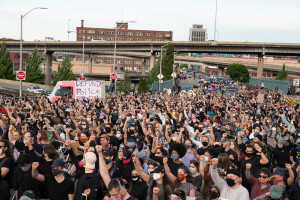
x,y
21,75
113,76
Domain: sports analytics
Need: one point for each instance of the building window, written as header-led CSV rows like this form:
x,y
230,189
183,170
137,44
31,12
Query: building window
x,y
147,70
120,33
158,34
91,31
129,39
148,34
119,61
88,37
101,32
129,33
83,31
128,69
109,61
139,34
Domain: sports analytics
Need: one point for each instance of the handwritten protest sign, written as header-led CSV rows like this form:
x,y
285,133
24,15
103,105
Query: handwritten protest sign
x,y
86,89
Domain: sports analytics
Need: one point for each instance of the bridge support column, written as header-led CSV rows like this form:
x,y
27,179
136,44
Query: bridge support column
x,y
48,67
260,66
222,71
90,64
144,67
152,61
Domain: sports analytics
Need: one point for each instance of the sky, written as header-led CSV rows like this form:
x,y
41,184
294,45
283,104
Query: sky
x,y
237,20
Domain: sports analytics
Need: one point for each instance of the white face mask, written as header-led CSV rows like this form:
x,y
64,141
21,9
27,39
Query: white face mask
x,y
205,159
231,146
89,119
118,135
192,170
156,176
1,152
273,129
83,126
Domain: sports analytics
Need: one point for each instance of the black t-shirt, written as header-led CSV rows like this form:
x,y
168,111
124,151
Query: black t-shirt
x,y
296,154
59,191
87,181
24,181
113,141
7,163
139,190
281,156
255,166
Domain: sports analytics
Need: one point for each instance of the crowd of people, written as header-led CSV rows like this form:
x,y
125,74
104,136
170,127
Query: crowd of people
x,y
152,146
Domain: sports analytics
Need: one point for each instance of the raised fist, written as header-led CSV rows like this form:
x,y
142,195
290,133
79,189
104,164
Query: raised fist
x,y
215,161
202,157
165,160
35,165
99,149
248,166
288,166
155,190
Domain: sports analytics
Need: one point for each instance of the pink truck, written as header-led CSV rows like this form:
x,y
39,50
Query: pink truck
x,y
78,89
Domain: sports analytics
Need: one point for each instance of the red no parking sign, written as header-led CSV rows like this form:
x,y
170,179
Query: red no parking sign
x,y
21,75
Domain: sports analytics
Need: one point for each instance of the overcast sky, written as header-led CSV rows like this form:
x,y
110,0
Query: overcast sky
x,y
238,20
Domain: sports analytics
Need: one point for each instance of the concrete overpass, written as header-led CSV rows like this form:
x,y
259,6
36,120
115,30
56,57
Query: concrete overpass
x,y
97,48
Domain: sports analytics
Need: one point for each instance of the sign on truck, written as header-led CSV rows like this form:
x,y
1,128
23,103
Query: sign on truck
x,y
78,89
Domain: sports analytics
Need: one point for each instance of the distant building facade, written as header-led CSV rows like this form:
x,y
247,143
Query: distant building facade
x,y
198,33
123,34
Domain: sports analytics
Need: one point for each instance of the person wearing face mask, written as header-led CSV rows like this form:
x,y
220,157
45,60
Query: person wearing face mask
x,y
230,188
197,177
60,187
214,193
138,188
189,153
281,153
260,185
112,138
295,152
42,138
255,162
24,180
176,151
183,181
105,143
275,193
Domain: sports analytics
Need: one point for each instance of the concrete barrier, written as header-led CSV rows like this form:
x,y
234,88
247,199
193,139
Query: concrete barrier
x,y
24,84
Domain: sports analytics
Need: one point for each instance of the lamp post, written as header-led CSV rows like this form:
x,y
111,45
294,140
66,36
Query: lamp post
x,y
115,49
21,45
218,35
83,37
69,29
160,66
216,20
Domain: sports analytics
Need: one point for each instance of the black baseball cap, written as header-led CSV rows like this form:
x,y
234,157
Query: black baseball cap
x,y
158,169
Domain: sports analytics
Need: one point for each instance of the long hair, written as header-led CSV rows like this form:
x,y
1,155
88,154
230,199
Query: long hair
x,y
165,184
189,177
224,159
8,153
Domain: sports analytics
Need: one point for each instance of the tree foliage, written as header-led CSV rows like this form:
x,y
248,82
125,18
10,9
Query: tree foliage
x,y
236,71
64,71
6,65
166,68
143,86
282,74
125,84
33,72
183,66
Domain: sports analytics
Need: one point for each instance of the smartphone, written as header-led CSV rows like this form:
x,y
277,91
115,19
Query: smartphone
x,y
83,196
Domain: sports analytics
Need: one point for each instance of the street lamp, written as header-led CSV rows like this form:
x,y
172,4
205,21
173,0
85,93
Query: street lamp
x,y
21,45
115,49
218,34
83,36
69,29
160,66
216,20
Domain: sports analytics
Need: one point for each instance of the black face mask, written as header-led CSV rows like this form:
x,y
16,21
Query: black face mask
x,y
213,195
107,129
249,155
56,172
135,178
131,132
205,144
230,182
231,160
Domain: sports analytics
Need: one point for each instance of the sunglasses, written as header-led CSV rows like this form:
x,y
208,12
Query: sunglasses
x,y
262,176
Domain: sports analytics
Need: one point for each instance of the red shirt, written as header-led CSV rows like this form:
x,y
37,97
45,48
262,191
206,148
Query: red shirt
x,y
256,188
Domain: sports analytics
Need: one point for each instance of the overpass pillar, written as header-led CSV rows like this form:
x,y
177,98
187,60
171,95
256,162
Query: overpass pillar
x,y
90,64
260,67
222,71
48,70
144,67
152,61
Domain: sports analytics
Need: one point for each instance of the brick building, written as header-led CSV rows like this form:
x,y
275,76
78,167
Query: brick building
x,y
123,34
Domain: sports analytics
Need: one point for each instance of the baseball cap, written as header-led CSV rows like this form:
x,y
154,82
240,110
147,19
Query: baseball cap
x,y
90,160
158,169
245,140
180,193
58,162
126,154
217,121
233,171
275,191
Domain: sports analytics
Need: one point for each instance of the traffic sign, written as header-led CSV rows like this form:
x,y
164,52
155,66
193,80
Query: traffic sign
x,y
161,81
296,82
113,76
21,75
173,75
120,75
160,76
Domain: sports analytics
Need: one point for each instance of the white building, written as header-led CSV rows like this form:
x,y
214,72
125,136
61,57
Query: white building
x,y
198,33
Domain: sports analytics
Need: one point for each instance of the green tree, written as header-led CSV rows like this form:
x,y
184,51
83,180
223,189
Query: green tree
x,y
6,65
64,71
125,84
166,68
282,74
33,72
236,71
183,66
143,86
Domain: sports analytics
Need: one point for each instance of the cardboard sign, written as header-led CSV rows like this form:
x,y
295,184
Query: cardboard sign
x,y
86,89
75,146
260,98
